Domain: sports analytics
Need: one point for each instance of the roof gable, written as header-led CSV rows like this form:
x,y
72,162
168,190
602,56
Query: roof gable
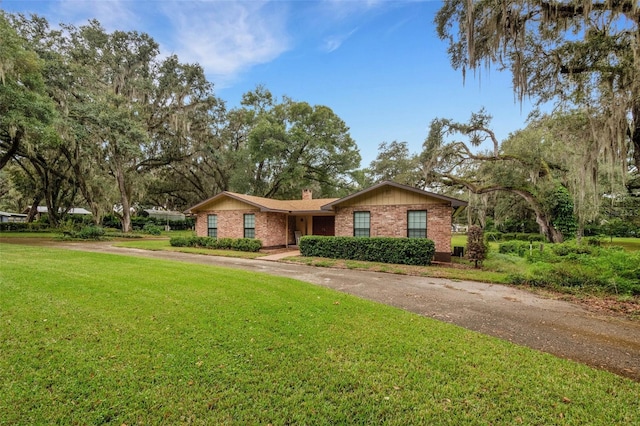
x,y
377,193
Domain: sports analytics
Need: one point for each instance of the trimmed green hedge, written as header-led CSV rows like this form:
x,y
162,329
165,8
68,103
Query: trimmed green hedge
x,y
510,236
24,227
405,251
238,244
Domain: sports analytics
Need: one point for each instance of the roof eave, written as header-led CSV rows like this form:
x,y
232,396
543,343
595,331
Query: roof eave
x,y
262,208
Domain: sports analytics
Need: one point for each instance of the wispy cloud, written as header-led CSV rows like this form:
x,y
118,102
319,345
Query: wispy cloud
x,y
227,38
334,42
341,9
344,14
112,14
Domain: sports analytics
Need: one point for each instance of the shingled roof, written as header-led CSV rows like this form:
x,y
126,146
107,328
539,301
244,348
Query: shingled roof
x,y
270,205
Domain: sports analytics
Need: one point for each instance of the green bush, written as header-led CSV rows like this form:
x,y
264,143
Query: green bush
x,y
179,241
476,246
238,244
152,229
225,243
407,251
493,236
518,248
90,233
573,248
246,244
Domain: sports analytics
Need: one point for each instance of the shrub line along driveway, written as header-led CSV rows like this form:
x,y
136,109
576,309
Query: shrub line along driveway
x,y
556,327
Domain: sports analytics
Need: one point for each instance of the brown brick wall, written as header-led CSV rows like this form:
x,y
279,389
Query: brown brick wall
x,y
270,227
391,221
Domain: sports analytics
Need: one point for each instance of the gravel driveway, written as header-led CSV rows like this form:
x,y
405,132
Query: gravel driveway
x,y
557,327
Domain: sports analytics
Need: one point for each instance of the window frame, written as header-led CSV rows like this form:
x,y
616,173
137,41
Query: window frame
x,y
412,231
360,231
212,228
249,232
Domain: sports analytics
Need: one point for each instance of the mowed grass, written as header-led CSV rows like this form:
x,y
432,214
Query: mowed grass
x,y
163,245
88,338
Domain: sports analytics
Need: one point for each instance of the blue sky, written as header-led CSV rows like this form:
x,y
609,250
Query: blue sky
x,y
378,64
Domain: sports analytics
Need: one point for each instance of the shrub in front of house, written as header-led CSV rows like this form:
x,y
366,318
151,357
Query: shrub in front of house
x,y
238,244
404,251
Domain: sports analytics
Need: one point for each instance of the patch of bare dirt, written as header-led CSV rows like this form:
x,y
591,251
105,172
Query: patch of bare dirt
x,y
629,308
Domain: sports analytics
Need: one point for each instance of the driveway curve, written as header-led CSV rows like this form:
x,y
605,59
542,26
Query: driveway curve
x,y
557,327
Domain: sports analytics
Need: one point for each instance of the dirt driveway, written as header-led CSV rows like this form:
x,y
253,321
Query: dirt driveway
x,y
557,327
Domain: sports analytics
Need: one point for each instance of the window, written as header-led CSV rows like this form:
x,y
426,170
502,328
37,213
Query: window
x,y
361,224
417,224
249,225
212,225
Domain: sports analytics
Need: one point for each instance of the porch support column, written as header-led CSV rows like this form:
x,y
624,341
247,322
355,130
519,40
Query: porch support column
x,y
286,231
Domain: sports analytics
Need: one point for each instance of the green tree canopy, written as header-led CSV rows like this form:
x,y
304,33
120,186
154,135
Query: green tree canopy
x,y
293,145
396,163
25,110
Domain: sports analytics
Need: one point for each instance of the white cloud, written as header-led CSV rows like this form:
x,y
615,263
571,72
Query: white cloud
x,y
112,14
345,13
342,9
334,42
227,38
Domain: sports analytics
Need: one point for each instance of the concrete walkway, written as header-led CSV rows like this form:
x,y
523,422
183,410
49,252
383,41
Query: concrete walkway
x,y
281,255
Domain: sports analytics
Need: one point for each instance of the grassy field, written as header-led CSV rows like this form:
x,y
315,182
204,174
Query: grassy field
x,y
630,244
89,338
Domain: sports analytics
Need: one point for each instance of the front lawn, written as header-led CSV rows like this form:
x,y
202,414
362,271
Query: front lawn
x,y
88,338
163,245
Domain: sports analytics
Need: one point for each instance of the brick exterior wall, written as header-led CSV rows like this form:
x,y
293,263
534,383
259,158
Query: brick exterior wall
x,y
270,227
391,221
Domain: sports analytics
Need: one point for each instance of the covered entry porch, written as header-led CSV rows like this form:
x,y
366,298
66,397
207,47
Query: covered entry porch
x,y
299,225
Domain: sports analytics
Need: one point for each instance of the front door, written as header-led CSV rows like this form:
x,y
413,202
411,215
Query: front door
x,y
324,225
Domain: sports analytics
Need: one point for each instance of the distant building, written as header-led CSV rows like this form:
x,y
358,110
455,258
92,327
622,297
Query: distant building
x,y
44,210
6,217
165,215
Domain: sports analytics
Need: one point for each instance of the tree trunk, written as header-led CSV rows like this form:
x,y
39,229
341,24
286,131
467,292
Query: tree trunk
x,y
546,228
33,210
124,200
635,136
81,183
11,151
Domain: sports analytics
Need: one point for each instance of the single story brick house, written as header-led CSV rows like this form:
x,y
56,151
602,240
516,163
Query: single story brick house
x,y
387,209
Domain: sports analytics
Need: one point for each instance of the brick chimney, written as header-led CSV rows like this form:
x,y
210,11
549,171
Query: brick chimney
x,y
307,194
